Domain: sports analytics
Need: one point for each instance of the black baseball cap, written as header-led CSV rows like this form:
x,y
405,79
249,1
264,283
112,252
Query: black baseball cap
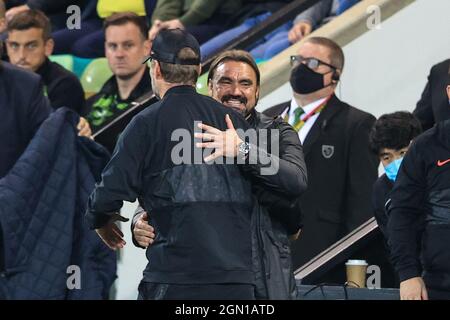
x,y
169,42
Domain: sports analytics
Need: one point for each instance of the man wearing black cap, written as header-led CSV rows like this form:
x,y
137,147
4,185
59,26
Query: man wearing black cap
x,y
202,211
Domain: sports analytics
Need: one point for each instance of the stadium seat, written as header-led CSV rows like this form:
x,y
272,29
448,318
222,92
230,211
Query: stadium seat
x,y
65,60
95,75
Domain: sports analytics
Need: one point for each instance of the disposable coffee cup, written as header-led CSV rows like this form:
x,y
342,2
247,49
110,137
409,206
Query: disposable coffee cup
x,y
356,273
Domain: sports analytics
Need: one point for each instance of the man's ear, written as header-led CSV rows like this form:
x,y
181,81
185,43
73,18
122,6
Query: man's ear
x,y
147,47
336,76
210,88
49,45
2,24
157,70
448,91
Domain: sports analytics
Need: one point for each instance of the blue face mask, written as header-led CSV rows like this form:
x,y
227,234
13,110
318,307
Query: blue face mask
x,y
392,169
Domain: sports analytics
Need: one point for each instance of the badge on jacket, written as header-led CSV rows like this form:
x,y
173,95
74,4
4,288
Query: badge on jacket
x,y
327,151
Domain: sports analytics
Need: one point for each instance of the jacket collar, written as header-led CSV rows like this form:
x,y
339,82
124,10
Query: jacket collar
x,y
44,70
322,122
180,89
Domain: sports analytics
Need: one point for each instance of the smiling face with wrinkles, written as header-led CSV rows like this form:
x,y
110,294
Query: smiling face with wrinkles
x,y
234,84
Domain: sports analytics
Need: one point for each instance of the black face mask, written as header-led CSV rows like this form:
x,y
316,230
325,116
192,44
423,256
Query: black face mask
x,y
305,80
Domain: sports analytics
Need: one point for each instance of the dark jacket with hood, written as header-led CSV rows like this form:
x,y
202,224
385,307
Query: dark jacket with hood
x,y
419,209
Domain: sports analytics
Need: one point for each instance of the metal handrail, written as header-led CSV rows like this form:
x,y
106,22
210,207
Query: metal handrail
x,y
338,251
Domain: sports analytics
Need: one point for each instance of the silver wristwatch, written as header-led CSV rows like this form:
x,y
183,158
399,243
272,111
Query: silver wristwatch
x,y
244,149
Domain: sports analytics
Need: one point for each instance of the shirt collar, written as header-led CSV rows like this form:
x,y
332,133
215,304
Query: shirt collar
x,y
181,89
308,108
43,70
144,85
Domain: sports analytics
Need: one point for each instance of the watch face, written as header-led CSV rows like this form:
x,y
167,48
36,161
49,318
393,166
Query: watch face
x,y
244,148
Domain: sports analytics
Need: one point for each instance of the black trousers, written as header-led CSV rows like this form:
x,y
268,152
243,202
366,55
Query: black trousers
x,y
163,291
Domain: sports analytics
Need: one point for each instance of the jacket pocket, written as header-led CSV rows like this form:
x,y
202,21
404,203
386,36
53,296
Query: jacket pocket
x,y
283,247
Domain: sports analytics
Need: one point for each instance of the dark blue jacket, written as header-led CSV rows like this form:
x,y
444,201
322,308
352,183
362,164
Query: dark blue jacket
x,y
43,197
23,107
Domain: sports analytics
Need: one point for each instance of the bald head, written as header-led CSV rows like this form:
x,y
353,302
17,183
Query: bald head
x,y
334,51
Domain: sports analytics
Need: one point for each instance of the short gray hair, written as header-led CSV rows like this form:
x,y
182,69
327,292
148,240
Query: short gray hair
x,y
177,73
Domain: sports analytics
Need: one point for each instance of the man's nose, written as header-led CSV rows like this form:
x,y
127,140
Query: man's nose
x,y
22,53
236,90
120,52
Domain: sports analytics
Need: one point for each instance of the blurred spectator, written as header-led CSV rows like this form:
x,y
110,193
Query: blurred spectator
x,y
390,139
264,48
126,47
316,16
2,17
202,18
2,30
341,167
88,41
432,106
55,10
284,36
419,215
29,45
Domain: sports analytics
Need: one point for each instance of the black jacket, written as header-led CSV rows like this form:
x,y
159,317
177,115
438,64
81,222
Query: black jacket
x,y
22,112
279,192
276,214
62,87
378,252
201,211
48,6
419,210
341,172
380,195
433,105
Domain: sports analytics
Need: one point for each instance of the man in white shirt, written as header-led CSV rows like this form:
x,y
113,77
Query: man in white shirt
x,y
341,167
